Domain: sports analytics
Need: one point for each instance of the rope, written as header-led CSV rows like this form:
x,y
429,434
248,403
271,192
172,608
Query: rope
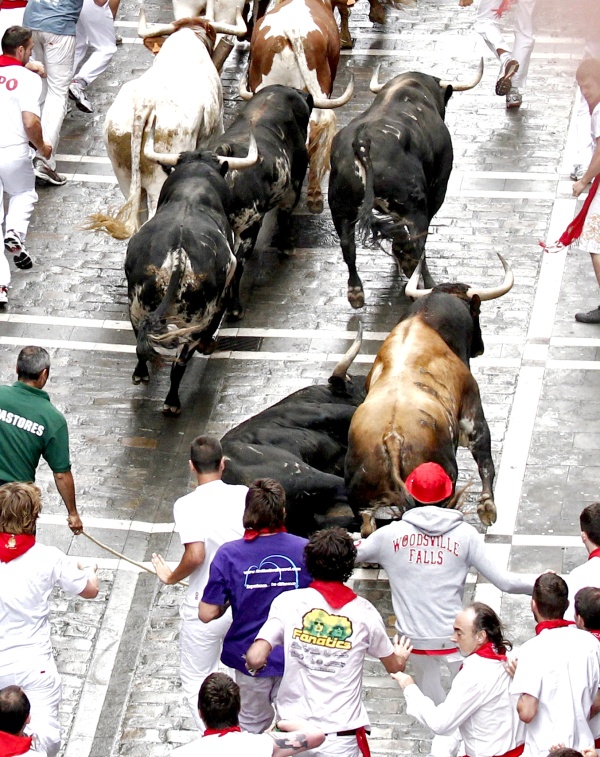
x,y
123,557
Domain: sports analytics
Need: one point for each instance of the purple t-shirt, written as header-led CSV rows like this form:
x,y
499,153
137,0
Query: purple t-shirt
x,y
250,574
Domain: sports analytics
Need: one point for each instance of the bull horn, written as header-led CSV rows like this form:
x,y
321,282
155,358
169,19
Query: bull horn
x,y
164,158
374,85
243,90
494,292
341,369
152,30
411,289
462,86
235,164
237,30
327,103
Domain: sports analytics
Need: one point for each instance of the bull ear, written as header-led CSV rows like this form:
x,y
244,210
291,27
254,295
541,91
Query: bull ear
x,y
224,168
475,305
448,93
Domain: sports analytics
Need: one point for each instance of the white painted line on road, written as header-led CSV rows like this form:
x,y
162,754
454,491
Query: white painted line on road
x,y
58,519
69,158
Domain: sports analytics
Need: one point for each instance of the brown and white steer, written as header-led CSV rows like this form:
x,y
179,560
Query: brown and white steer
x,y
297,44
182,92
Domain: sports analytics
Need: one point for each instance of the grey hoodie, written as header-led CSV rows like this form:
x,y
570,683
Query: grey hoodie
x,y
427,556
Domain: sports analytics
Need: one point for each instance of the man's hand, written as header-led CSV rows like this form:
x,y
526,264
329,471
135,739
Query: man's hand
x,y
37,68
465,3
511,666
46,150
402,648
162,569
75,523
579,187
403,679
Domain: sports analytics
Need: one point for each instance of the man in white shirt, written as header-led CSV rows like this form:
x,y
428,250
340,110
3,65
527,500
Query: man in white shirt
x,y
20,127
219,708
479,703
557,675
587,574
28,573
206,518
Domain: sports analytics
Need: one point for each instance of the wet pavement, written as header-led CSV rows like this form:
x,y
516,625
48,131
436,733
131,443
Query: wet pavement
x,y
539,376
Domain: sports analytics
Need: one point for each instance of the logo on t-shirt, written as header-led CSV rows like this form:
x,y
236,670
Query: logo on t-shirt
x,y
324,630
272,571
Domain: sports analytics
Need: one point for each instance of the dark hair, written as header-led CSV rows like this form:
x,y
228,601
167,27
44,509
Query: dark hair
x,y
487,620
15,37
219,701
31,362
330,555
564,751
589,521
551,596
206,454
589,67
587,605
14,709
265,504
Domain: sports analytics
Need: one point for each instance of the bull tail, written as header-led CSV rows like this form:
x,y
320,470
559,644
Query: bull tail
x,y
124,223
361,146
392,444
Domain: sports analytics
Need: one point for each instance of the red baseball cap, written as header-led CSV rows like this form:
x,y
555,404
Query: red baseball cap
x,y
429,483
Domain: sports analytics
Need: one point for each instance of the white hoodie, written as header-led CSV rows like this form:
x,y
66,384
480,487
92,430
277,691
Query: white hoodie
x,y
427,556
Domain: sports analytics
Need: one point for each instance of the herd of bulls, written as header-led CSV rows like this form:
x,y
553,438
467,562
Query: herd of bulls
x,y
342,451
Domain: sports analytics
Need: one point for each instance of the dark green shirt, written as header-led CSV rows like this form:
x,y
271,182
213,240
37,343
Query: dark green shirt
x,y
30,427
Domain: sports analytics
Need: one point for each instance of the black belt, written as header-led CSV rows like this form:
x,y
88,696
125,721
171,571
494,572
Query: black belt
x,y
351,732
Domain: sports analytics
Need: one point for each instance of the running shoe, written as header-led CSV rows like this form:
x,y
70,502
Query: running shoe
x,y
15,245
508,68
77,94
44,173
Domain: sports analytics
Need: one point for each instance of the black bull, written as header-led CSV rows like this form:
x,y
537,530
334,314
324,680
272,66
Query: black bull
x,y
301,442
389,171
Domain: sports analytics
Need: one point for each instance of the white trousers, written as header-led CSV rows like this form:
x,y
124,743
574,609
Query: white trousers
x,y
41,682
258,696
10,17
488,25
200,646
336,746
56,52
95,29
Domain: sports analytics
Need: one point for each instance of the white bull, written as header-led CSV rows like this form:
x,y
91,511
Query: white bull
x,y
182,92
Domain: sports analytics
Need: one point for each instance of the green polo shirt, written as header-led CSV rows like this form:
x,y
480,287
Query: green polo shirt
x,y
30,427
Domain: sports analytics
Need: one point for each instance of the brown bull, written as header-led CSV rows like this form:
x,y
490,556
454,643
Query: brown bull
x,y
422,400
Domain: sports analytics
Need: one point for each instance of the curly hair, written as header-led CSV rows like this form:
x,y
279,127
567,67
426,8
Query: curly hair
x,y
20,506
330,555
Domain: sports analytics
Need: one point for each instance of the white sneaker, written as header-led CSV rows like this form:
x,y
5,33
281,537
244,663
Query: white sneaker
x,y
577,172
77,93
3,295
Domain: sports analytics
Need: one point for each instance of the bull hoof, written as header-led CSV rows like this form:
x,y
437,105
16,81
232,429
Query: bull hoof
x,y
356,297
315,204
171,410
236,313
139,379
347,43
487,512
377,14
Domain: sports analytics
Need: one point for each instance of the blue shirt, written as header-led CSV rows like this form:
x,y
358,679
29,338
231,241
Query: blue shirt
x,y
54,16
250,574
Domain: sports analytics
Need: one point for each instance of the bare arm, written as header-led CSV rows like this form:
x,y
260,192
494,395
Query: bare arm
x,y
207,612
92,586
193,557
258,654
297,737
527,707
396,662
66,488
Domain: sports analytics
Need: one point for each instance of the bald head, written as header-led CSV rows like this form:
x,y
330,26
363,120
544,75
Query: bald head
x,y
14,710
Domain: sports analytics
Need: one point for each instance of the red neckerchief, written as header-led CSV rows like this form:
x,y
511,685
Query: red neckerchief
x,y
594,633
502,8
574,229
222,731
8,60
250,534
14,545
488,651
558,623
336,593
12,4
11,745
594,553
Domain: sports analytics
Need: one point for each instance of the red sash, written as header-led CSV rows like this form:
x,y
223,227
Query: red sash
x,y
361,738
502,8
14,545
558,623
336,594
8,5
222,731
516,752
11,745
435,652
594,553
8,60
574,229
250,534
488,651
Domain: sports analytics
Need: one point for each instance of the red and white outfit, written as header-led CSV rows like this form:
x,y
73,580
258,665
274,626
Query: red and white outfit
x,y
231,743
479,704
560,667
211,514
11,14
325,641
584,575
26,658
20,91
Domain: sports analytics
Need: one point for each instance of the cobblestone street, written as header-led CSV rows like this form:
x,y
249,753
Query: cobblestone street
x,y
539,377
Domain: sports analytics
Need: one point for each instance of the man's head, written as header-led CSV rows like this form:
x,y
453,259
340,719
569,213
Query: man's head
x,y
550,597
20,506
33,365
265,505
17,41
219,701
589,521
14,710
206,455
475,626
587,608
429,484
330,555
588,78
